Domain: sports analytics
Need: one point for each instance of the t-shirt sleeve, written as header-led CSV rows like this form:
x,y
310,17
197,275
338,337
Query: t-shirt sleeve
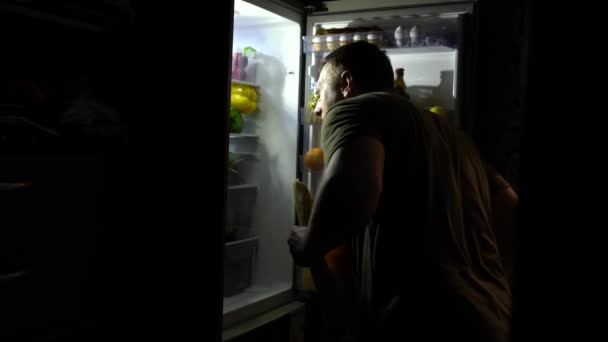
x,y
343,122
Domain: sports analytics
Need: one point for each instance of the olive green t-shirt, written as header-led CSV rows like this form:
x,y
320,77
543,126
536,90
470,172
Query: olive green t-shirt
x,y
426,265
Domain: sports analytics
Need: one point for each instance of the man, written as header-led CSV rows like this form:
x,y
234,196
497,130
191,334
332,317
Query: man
x,y
413,206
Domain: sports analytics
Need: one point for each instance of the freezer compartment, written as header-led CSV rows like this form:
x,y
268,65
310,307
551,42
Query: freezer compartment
x,y
239,263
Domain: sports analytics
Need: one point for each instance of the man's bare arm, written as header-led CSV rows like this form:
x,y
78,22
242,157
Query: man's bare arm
x,y
347,198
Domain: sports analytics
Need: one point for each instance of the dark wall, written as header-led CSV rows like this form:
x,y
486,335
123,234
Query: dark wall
x,y
500,84
561,250
131,209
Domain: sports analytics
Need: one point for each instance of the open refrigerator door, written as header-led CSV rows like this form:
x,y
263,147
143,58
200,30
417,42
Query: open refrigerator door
x,y
265,94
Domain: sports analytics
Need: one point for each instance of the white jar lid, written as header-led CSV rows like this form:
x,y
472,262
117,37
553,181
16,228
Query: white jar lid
x,y
316,39
329,39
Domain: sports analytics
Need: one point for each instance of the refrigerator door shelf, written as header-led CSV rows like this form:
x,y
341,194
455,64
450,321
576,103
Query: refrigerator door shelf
x,y
246,144
246,83
248,156
239,261
243,136
321,44
424,46
243,187
240,210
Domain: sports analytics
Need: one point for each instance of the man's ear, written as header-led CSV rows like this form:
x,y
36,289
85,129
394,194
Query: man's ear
x,y
347,86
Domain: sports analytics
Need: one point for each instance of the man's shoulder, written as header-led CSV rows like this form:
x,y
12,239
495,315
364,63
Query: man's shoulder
x,y
377,98
371,102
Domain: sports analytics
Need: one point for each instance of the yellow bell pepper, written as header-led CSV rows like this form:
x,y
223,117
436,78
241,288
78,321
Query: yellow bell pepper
x,y
243,98
240,102
244,90
252,107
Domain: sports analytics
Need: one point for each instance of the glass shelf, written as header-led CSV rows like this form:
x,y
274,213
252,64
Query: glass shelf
x,y
424,46
419,49
246,83
243,136
243,187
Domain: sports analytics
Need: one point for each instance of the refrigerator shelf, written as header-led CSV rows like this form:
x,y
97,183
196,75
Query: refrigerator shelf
x,y
319,44
246,83
240,207
246,144
419,49
235,232
243,136
239,264
243,187
422,48
248,155
320,47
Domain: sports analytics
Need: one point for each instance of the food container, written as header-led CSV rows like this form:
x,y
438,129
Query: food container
x,y
345,38
239,265
331,42
373,38
317,42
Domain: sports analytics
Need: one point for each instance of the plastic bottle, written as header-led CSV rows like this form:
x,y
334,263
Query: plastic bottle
x,y
331,42
372,38
358,37
247,66
400,82
236,60
345,38
398,37
414,36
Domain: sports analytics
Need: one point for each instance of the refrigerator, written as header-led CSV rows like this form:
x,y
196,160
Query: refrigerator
x,y
276,51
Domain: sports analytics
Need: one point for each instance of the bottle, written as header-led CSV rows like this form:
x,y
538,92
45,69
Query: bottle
x,y
316,43
400,82
372,38
331,45
398,37
236,61
345,38
320,30
414,33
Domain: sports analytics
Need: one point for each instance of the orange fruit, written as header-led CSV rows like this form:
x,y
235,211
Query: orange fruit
x,y
336,259
313,159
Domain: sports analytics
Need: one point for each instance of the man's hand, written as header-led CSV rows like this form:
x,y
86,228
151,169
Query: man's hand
x,y
297,245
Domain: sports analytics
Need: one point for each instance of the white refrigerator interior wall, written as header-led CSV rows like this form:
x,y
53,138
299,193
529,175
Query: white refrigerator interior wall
x,y
430,77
